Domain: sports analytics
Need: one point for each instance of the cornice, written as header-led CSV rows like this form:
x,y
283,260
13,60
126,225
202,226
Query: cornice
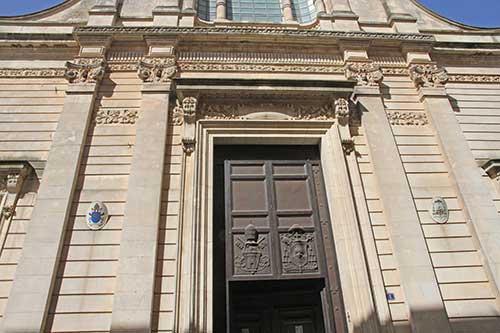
x,y
268,31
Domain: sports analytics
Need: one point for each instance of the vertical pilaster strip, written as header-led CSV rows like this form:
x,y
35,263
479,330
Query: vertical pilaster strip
x,y
352,264
474,194
426,308
134,292
29,299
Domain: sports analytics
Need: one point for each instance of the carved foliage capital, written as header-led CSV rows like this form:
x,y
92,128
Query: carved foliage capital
x,y
366,74
428,75
157,70
85,70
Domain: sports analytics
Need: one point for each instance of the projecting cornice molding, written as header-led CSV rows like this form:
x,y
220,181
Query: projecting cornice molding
x,y
89,30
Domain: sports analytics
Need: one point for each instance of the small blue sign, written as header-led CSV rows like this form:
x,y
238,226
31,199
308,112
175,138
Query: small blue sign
x,y
391,297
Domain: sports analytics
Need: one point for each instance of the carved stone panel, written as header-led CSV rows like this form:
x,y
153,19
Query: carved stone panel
x,y
251,253
298,251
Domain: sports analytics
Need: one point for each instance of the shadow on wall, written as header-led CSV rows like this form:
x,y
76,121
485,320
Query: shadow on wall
x,y
479,324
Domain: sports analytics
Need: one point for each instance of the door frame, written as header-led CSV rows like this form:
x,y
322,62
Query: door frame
x,y
194,296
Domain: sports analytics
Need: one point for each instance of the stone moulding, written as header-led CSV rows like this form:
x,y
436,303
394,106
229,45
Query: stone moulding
x,y
268,31
116,117
214,67
397,118
32,72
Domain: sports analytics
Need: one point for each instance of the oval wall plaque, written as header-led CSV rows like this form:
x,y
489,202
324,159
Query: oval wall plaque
x,y
97,215
439,210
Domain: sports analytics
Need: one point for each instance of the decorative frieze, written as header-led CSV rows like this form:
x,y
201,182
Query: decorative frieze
x,y
32,72
397,118
122,67
242,30
85,70
116,117
428,75
157,69
214,67
474,78
289,111
366,74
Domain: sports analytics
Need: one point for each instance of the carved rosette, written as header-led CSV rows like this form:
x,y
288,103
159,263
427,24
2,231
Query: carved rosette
x,y
85,70
298,251
366,74
428,76
157,70
251,253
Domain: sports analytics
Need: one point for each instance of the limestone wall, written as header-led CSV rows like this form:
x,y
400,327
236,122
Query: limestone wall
x,y
29,111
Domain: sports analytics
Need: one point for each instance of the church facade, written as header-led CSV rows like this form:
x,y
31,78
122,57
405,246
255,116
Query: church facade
x,y
298,166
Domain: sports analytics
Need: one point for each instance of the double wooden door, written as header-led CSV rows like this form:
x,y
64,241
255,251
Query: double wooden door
x,y
280,265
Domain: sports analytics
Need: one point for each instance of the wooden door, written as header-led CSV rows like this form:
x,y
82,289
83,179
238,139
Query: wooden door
x,y
275,244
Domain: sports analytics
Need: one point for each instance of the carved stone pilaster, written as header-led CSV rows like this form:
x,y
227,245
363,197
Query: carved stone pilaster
x,y
428,75
365,73
85,70
157,70
185,114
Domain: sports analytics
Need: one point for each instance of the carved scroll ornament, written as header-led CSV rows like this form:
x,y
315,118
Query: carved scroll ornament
x,y
115,117
428,76
366,74
85,70
157,70
397,118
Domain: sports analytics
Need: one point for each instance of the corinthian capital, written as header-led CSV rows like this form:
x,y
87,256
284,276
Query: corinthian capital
x,y
428,75
157,69
366,74
85,70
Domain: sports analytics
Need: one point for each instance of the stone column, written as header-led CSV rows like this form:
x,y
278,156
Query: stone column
x,y
286,6
477,201
31,291
134,292
220,10
423,298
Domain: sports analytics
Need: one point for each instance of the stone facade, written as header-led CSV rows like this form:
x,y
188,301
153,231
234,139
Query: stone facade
x,y
123,102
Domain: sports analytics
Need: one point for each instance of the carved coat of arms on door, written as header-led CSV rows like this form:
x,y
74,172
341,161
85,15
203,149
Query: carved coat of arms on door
x,y
251,253
298,251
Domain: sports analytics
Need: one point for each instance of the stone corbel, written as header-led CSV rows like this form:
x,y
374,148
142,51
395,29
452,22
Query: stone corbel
x,y
85,70
12,177
492,168
428,75
184,114
343,115
364,73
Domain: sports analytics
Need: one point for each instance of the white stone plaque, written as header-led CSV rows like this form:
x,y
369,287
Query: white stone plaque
x,y
439,210
97,215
